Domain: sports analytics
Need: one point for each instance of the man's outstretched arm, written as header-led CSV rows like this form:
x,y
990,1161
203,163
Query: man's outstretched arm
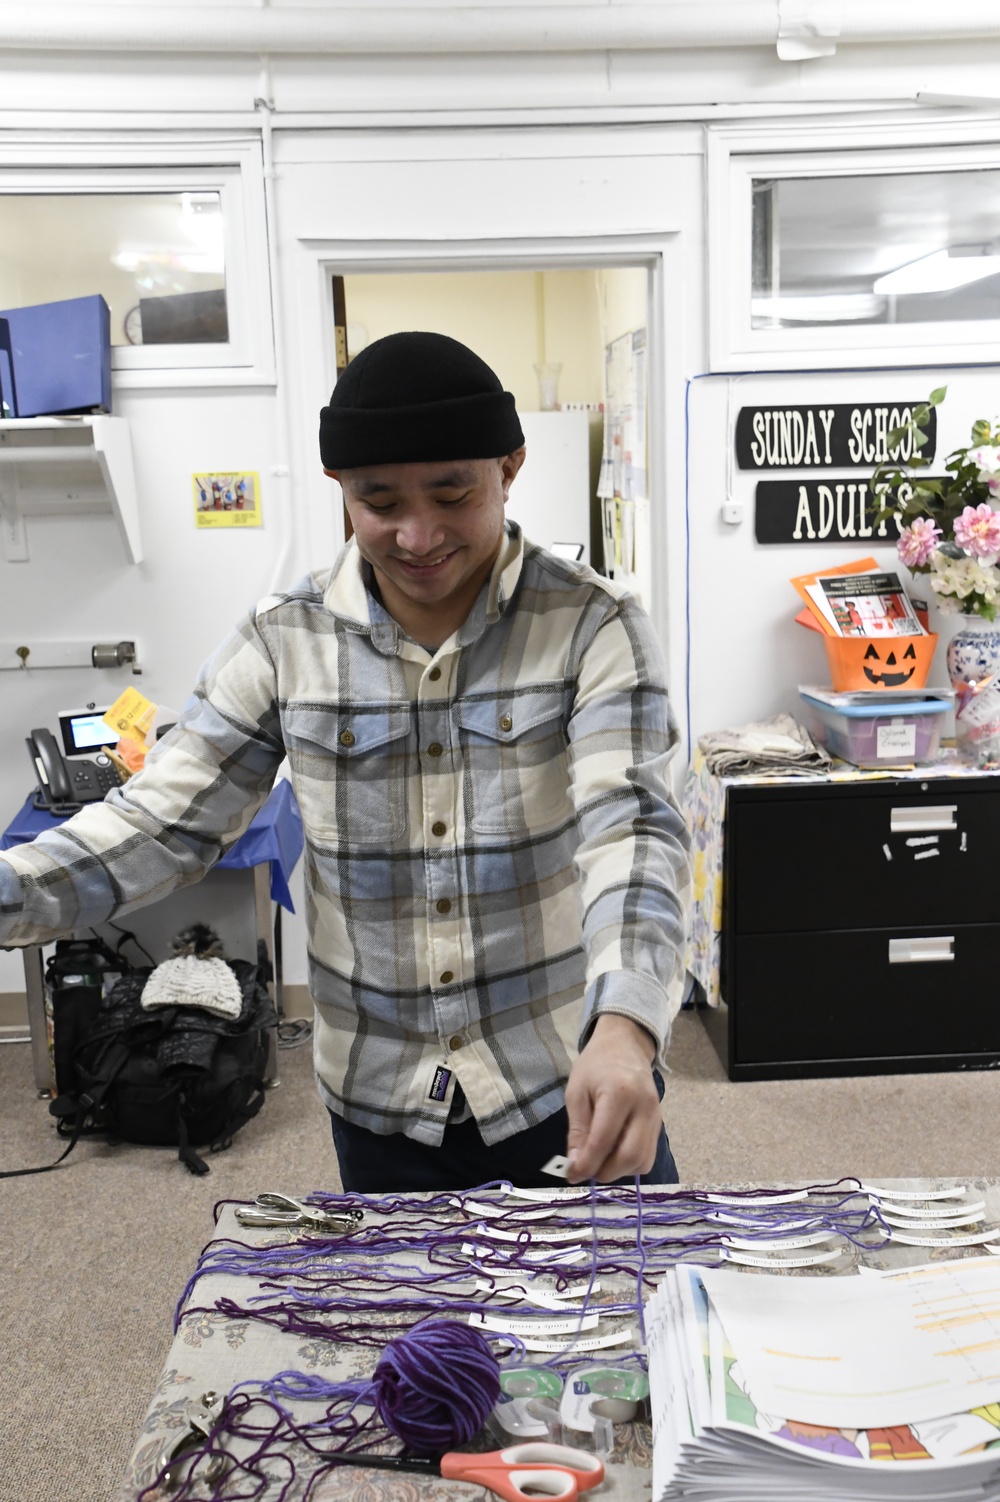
x,y
167,826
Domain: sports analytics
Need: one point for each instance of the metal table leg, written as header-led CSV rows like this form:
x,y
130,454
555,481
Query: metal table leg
x,y
263,913
34,985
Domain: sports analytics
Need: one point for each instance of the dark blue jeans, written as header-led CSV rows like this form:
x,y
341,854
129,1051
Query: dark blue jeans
x,y
374,1164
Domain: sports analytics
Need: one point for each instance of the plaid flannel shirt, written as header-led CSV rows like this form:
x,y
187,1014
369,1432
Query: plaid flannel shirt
x,y
493,857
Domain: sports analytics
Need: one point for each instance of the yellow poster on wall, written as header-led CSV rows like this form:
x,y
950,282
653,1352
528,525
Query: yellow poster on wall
x,y
229,499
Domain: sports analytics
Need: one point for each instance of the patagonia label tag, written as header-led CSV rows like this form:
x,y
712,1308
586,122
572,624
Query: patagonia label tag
x,y
442,1079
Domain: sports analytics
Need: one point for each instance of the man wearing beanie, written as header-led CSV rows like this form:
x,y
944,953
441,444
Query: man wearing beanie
x,y
478,735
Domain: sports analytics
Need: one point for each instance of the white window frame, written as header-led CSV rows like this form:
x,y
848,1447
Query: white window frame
x,y
733,163
233,169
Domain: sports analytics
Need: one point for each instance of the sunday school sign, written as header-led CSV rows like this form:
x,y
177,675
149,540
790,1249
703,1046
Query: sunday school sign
x,y
844,436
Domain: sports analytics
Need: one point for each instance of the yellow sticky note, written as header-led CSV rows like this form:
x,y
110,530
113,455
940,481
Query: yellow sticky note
x,y
131,716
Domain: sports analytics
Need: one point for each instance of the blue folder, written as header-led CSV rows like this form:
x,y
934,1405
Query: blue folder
x,y
57,358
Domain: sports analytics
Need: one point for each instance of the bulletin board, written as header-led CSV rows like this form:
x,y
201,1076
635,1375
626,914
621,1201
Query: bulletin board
x,y
623,487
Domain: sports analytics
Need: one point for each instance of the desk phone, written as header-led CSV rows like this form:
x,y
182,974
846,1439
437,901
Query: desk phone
x,y
68,778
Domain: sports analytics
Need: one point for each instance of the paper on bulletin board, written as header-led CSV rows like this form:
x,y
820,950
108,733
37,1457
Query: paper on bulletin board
x,y
229,498
628,544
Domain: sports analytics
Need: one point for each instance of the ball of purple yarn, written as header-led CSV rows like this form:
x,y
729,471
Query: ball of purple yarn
x,y
436,1386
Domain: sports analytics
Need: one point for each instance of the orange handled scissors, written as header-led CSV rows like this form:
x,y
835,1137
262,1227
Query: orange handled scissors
x,y
520,1471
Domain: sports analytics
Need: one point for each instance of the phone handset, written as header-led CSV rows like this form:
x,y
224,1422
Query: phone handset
x,y
53,774
62,789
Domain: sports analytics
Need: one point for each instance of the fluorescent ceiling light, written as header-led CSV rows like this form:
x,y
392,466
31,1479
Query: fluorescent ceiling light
x,y
939,272
838,307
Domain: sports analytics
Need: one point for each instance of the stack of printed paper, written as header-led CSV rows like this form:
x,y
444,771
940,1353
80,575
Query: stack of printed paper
x,y
768,1387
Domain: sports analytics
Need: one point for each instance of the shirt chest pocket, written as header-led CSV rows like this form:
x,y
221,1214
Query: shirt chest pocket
x,y
515,764
349,769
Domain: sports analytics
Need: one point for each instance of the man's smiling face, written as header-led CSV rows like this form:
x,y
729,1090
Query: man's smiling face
x,y
431,531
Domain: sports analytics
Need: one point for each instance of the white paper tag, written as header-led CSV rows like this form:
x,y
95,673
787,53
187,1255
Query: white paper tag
x,y
557,1192
777,1263
785,1244
507,1326
748,1220
473,1207
896,740
748,1201
914,1196
542,1298
589,1343
556,1166
538,1259
496,1234
979,1239
935,1212
930,1221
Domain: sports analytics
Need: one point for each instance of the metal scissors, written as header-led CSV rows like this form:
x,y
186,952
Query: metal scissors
x,y
520,1471
272,1209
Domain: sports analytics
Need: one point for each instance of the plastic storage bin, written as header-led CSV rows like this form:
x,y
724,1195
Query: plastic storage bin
x,y
880,730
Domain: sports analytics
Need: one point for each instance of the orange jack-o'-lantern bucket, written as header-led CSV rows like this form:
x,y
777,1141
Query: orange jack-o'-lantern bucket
x,y
889,662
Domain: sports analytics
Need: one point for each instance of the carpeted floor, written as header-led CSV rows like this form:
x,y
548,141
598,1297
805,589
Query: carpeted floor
x,y
94,1255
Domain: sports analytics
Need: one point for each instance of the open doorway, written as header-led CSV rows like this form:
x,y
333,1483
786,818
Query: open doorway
x,y
562,340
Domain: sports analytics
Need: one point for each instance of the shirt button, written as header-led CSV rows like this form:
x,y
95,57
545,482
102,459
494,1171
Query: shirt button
x,y
434,674
506,722
434,749
443,905
438,828
346,738
447,976
454,1043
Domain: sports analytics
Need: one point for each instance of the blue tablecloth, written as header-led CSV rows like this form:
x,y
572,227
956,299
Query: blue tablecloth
x,y
275,836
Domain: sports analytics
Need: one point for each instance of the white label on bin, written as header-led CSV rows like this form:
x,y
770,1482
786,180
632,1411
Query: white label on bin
x,y
896,740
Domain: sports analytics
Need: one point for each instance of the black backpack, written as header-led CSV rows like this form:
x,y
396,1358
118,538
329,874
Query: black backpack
x,y
172,1076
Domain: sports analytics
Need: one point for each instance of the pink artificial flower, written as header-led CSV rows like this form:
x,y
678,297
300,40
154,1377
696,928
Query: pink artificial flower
x,y
977,530
917,542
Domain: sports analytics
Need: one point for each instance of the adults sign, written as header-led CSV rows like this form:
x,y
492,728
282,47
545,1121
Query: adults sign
x,y
822,511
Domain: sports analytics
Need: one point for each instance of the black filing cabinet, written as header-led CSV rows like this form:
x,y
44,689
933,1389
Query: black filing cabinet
x,y
861,928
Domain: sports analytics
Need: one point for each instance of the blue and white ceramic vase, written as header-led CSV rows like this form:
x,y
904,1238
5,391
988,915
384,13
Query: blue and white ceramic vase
x,y
974,670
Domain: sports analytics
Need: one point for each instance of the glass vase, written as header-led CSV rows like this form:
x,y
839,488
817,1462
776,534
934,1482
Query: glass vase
x,y
974,670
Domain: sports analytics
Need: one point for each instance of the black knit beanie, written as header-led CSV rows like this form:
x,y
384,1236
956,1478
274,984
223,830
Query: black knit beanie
x,y
411,397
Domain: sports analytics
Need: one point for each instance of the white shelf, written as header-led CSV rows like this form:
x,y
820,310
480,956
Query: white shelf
x,y
68,466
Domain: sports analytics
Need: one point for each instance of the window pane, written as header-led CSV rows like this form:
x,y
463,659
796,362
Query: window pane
x,y
157,259
915,247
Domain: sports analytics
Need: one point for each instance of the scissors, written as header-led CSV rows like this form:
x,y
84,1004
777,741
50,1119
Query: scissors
x,y
515,1473
271,1209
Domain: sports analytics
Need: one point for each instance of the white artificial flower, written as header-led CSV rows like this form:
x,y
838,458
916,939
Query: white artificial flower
x,y
987,457
962,577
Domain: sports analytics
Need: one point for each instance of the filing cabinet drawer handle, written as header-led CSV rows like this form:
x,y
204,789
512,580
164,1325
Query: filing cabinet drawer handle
x,y
921,951
910,820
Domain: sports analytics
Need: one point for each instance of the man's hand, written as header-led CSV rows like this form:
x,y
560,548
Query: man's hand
x,y
612,1104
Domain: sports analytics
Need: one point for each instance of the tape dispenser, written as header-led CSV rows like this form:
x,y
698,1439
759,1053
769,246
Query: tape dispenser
x,y
528,1405
596,1398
